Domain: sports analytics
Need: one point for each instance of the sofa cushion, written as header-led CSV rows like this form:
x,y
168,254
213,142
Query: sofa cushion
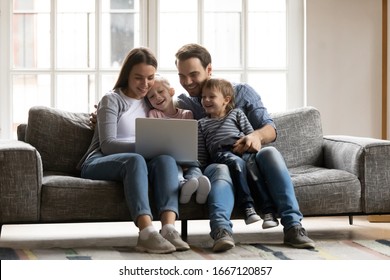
x,y
321,190
60,137
300,137
67,198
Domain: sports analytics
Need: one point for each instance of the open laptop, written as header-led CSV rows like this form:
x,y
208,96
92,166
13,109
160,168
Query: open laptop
x,y
175,137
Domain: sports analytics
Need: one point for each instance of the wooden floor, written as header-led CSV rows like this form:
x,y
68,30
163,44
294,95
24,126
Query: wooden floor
x,y
125,233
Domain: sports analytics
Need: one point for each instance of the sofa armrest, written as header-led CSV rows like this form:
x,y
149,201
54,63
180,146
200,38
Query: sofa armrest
x,y
20,182
21,132
369,160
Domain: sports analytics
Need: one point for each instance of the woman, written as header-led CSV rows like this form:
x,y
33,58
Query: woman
x,y
111,156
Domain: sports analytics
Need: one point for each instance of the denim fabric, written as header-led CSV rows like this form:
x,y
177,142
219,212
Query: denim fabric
x,y
165,183
277,181
238,172
132,170
192,172
258,185
221,197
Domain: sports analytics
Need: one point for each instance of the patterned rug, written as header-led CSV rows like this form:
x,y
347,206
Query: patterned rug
x,y
325,250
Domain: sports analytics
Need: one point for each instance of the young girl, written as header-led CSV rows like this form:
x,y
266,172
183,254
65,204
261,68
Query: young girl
x,y
219,132
160,98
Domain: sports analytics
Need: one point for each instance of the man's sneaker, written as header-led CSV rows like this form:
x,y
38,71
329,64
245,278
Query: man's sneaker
x,y
296,236
155,244
251,216
203,189
187,188
174,238
223,241
269,221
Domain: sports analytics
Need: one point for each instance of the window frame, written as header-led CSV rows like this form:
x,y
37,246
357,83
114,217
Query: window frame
x,y
295,79
149,9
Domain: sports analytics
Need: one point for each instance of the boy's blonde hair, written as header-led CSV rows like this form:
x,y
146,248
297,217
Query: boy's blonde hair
x,y
224,86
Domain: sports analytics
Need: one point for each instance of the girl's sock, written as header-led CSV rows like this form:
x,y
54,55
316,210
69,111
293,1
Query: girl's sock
x,y
144,233
167,228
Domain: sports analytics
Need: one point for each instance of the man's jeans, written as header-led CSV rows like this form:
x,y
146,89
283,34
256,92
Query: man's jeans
x,y
132,170
275,177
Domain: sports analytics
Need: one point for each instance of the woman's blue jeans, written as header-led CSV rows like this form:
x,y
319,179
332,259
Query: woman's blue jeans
x,y
132,170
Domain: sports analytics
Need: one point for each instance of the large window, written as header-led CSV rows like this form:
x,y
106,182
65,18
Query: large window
x,y
67,53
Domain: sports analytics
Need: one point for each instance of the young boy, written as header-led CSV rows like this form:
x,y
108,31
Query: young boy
x,y
218,132
160,98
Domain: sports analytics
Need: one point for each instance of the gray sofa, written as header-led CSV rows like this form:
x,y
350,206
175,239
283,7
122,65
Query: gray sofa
x,y
39,182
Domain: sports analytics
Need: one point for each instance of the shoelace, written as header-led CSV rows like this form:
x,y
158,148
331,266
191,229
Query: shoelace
x,y
268,216
249,211
222,233
302,232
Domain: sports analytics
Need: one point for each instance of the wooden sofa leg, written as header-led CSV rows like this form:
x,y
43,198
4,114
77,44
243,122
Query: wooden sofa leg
x,y
350,219
184,229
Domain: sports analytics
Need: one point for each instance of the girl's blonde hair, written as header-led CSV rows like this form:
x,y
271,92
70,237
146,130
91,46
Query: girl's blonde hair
x,y
163,80
223,86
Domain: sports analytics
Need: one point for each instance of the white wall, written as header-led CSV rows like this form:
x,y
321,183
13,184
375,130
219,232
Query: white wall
x,y
343,64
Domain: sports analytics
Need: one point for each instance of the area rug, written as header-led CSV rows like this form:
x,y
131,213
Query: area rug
x,y
325,250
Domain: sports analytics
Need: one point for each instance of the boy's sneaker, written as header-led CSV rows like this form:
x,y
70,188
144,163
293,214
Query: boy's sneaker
x,y
204,188
269,221
296,236
223,241
187,188
155,244
251,216
174,238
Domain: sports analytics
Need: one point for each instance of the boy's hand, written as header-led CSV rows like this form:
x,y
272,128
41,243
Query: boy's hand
x,y
93,118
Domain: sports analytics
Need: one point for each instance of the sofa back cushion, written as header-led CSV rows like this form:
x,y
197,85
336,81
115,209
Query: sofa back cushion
x,y
61,137
300,137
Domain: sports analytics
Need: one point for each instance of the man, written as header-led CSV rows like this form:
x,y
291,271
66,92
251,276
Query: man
x,y
194,67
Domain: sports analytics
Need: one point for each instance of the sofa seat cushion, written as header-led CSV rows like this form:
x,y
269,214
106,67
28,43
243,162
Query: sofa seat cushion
x,y
66,198
60,137
321,190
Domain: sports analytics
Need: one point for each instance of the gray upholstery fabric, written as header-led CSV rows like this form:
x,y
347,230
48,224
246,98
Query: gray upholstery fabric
x,y
21,132
344,155
60,137
373,169
20,182
321,190
66,198
332,175
299,136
